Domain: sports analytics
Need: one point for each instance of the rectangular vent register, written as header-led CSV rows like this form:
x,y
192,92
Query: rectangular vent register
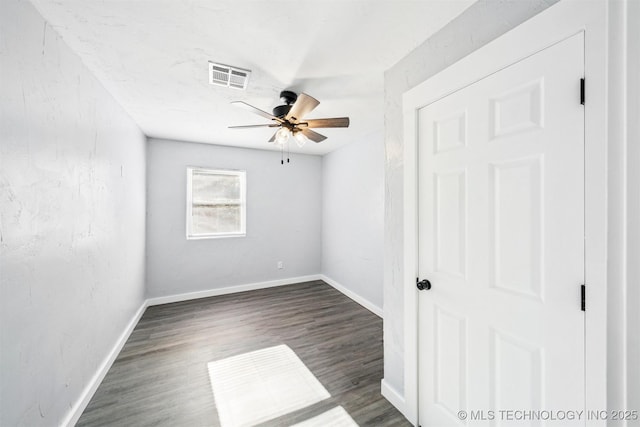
x,y
226,75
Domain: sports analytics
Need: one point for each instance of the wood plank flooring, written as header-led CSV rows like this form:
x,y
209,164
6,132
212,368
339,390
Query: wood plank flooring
x,y
160,378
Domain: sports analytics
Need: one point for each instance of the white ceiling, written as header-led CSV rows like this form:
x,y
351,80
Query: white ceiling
x,y
152,56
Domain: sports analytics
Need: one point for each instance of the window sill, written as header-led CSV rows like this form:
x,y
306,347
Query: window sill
x,y
215,236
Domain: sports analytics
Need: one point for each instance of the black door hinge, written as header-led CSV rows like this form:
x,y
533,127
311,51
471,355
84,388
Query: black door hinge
x,y
583,297
582,91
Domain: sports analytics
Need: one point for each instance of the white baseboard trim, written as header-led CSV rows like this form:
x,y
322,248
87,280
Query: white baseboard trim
x,y
231,290
357,298
393,396
81,404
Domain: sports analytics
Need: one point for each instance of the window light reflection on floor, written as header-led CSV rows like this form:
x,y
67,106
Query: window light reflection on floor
x,y
255,387
336,417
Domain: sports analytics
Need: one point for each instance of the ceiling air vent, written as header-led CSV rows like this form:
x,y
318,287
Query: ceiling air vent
x,y
226,75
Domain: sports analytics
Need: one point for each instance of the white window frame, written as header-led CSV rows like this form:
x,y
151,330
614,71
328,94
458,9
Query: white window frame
x,y
242,175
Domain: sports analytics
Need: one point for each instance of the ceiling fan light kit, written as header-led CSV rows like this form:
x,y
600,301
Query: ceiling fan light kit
x,y
282,135
289,118
300,139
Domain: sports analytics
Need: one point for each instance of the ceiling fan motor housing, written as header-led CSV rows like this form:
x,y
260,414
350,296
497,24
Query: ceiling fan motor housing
x,y
281,110
289,98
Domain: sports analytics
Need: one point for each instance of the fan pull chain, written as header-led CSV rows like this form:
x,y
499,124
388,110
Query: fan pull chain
x,y
288,151
282,154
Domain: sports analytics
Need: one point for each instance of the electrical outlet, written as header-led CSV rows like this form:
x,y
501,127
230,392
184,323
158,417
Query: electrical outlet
x,y
280,265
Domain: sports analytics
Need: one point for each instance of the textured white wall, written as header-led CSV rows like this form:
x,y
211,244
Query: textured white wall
x,y
283,219
475,27
353,217
72,202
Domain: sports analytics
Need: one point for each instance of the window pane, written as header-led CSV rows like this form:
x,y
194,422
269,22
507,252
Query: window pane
x,y
209,219
209,188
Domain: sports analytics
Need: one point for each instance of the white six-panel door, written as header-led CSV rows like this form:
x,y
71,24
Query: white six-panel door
x,y
501,239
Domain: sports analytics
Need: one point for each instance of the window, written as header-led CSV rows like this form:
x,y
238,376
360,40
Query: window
x,y
216,203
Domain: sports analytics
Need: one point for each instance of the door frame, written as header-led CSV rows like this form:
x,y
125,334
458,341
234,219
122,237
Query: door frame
x,y
551,26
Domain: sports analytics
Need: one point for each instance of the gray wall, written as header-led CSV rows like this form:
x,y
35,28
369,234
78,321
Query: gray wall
x,y
284,207
479,24
72,202
353,216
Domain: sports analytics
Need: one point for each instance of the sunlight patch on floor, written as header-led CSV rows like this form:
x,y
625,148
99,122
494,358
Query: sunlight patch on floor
x,y
336,417
255,387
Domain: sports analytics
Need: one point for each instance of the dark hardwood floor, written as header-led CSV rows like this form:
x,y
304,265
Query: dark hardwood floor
x,y
160,378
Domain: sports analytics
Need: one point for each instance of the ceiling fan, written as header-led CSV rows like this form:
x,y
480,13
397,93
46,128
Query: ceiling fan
x,y
289,118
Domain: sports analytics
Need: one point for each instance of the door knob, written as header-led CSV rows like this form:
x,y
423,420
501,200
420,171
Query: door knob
x,y
423,284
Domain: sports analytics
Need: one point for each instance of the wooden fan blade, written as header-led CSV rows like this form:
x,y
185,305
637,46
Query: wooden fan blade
x,y
337,122
303,106
268,125
273,138
314,136
257,111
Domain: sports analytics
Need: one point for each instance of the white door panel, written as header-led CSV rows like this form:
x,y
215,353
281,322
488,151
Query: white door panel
x,y
501,238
